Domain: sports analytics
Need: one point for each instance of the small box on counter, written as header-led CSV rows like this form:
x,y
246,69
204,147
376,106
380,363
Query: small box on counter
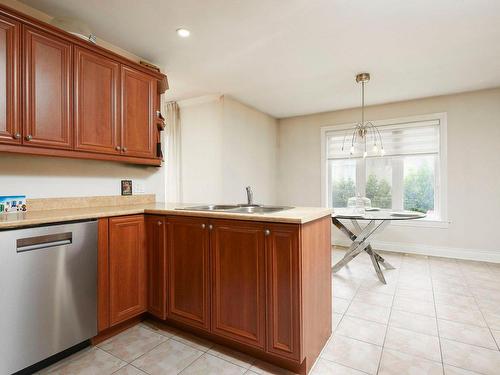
x,y
12,203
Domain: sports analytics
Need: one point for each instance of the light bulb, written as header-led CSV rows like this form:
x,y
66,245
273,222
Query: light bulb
x,y
183,33
365,154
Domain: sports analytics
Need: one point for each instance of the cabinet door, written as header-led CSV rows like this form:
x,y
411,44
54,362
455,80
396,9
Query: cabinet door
x,y
127,268
157,265
138,107
97,121
238,267
48,114
188,271
282,248
10,130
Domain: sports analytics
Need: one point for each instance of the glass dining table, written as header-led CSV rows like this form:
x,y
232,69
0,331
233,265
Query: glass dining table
x,y
376,221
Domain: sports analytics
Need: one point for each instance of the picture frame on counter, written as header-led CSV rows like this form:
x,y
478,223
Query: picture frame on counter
x,y
126,187
12,203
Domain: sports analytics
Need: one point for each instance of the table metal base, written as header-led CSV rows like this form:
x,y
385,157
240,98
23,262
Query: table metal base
x,y
361,242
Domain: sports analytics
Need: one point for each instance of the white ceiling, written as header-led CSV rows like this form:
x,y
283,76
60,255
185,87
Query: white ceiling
x,y
289,57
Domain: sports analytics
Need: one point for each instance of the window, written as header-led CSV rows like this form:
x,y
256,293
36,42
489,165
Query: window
x,y
410,176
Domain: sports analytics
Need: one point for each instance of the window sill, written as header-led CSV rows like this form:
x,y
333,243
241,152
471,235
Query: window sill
x,y
422,223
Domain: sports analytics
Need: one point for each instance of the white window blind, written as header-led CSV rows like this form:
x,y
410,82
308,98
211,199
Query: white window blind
x,y
414,138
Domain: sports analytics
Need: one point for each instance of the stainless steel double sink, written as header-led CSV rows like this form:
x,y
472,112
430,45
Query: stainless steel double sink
x,y
237,208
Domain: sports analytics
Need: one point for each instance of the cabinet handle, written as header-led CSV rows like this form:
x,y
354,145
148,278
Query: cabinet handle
x,y
210,226
118,148
159,223
125,149
267,232
29,137
17,136
203,226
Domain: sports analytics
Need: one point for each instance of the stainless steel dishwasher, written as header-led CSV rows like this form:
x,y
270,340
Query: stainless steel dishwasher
x,y
48,291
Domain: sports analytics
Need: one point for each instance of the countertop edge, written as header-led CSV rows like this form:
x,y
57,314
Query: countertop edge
x,y
61,216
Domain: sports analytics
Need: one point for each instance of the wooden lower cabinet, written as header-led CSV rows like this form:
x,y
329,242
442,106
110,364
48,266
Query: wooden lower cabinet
x,y
188,271
156,265
264,288
239,281
127,268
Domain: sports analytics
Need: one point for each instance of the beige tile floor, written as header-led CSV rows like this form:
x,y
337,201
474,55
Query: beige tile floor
x,y
435,316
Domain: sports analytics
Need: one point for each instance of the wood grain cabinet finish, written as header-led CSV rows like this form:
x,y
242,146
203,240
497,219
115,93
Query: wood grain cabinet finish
x,y
157,265
48,90
138,106
239,281
127,268
66,97
188,271
10,126
97,115
282,248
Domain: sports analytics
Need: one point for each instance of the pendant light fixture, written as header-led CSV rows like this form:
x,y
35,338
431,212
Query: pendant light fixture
x,y
365,134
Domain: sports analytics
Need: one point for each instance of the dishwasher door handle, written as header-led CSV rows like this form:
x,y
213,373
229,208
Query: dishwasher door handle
x,y
43,242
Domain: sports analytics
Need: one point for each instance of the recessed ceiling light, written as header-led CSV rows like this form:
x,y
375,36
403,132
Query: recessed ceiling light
x,y
183,33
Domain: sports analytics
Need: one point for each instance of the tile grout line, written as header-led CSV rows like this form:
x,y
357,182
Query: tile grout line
x,y
222,359
437,323
482,314
388,322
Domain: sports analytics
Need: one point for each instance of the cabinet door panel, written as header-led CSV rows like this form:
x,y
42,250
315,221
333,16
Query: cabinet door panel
x,y
282,247
157,265
239,302
138,106
48,107
10,130
188,271
97,113
127,268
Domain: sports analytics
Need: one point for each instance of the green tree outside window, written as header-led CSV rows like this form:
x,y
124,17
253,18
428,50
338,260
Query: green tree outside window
x,y
419,190
342,191
379,192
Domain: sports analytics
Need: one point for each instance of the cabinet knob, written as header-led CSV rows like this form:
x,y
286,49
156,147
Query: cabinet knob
x,y
210,226
203,226
267,232
159,223
17,136
118,148
125,149
29,137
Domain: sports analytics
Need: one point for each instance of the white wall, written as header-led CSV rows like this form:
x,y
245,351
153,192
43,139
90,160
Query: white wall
x,y
473,171
39,176
226,146
48,177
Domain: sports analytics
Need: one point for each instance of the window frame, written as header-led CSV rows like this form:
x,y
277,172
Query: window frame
x,y
441,168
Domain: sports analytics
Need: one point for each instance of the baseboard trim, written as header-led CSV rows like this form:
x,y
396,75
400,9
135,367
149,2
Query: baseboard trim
x,y
437,251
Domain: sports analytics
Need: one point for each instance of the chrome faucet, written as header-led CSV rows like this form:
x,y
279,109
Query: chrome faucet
x,y
249,195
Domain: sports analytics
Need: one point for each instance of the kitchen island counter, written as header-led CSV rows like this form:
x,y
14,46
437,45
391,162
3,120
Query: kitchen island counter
x,y
296,215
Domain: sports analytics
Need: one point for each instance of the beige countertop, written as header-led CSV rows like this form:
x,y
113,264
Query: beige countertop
x,y
297,215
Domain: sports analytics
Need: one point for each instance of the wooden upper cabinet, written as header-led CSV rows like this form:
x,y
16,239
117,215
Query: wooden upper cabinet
x,y
239,281
157,265
127,268
48,90
97,115
282,248
188,271
10,129
138,106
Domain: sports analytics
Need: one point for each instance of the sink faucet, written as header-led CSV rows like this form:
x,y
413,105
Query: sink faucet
x,y
249,195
